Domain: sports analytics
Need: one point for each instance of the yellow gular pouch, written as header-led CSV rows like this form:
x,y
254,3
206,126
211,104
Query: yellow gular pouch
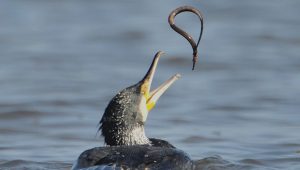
x,y
145,91
150,104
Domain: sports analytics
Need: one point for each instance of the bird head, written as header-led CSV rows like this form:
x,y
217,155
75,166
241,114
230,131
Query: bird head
x,y
123,120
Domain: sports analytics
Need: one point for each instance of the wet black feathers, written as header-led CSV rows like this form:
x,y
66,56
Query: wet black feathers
x,y
135,157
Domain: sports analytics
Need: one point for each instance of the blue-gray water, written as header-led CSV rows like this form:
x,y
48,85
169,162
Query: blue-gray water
x,y
62,61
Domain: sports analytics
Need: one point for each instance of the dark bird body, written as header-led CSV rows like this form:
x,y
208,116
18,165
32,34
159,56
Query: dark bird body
x,y
135,157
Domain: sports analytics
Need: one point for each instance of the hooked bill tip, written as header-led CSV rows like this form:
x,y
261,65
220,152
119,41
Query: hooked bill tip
x,y
177,76
159,53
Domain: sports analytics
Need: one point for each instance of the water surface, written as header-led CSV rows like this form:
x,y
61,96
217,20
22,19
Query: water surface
x,y
62,61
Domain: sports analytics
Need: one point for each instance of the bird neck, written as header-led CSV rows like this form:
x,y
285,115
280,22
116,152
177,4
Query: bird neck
x,y
122,135
136,136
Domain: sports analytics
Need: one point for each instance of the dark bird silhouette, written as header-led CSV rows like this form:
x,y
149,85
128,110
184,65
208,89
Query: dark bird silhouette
x,y
122,124
122,127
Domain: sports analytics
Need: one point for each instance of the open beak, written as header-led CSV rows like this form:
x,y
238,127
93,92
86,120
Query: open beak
x,y
154,95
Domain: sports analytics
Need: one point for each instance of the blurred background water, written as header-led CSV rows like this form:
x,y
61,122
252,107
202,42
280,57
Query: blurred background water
x,y
61,61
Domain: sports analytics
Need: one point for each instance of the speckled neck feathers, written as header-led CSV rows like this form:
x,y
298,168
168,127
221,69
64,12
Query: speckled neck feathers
x,y
122,122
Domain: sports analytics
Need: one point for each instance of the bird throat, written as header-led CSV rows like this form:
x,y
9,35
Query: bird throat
x,y
121,135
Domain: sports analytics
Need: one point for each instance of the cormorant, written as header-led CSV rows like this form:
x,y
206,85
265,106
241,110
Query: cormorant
x,y
122,127
122,124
